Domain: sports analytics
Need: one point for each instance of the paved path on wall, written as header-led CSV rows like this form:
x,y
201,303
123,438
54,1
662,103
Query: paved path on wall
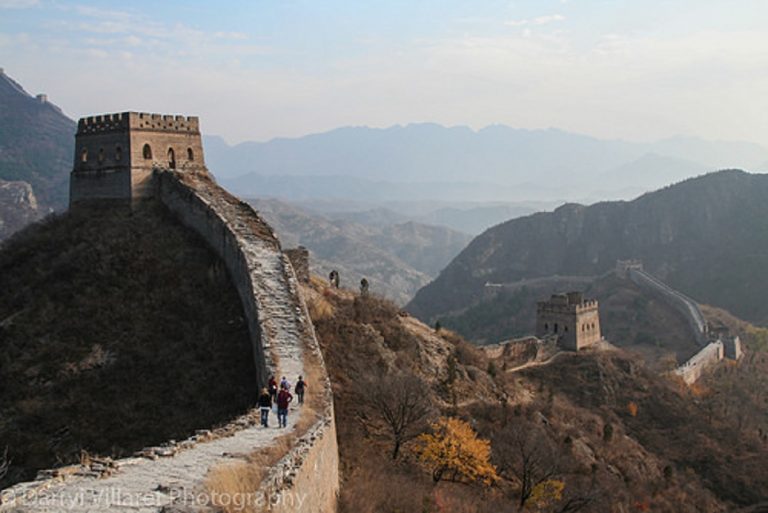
x,y
540,281
280,315
692,310
142,485
146,485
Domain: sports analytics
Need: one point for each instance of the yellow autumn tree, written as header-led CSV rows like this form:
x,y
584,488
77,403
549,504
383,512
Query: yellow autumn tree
x,y
452,451
546,492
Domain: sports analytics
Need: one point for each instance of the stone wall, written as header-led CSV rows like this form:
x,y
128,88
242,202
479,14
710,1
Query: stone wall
x,y
201,216
692,370
307,478
680,302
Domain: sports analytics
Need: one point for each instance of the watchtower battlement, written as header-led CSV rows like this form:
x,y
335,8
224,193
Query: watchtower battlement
x,y
138,121
574,320
117,154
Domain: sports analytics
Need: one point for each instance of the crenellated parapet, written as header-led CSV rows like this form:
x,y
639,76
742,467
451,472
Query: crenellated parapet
x,y
122,121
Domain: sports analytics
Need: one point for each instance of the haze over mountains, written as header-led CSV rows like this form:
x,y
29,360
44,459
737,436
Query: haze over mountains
x,y
456,177
497,163
396,258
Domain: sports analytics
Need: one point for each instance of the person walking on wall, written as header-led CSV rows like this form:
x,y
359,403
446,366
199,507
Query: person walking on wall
x,y
284,398
272,388
284,383
265,405
301,385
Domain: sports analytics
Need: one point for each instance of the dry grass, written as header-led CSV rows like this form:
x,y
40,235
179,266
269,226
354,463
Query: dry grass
x,y
319,308
233,487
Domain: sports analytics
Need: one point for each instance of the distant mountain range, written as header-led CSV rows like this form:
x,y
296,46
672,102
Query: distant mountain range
x,y
497,163
396,258
706,236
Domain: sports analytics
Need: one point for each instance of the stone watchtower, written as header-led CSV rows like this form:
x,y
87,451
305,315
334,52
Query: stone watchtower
x,y
572,319
116,154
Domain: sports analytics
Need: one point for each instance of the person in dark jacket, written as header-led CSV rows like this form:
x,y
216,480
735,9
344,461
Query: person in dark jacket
x,y
284,398
301,385
265,405
272,388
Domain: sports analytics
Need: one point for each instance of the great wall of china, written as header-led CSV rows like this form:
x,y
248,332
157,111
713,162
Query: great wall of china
x,y
172,477
713,350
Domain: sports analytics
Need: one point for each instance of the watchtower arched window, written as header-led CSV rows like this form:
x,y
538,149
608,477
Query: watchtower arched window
x,y
84,155
101,154
190,154
555,328
171,159
147,152
118,153
546,326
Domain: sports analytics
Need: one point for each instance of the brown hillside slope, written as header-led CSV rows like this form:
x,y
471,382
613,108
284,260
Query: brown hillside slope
x,y
118,330
616,436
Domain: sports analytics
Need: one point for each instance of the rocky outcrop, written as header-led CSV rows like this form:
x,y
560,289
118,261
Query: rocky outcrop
x,y
18,207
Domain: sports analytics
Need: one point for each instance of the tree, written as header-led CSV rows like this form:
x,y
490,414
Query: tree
x,y
527,454
546,492
399,403
454,452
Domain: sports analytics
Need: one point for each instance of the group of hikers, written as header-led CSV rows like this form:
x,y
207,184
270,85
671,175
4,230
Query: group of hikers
x,y
281,398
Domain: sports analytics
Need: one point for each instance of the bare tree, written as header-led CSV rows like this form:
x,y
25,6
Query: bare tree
x,y
400,404
526,453
582,497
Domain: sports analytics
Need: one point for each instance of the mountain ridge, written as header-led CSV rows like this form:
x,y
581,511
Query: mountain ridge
x,y
703,236
36,144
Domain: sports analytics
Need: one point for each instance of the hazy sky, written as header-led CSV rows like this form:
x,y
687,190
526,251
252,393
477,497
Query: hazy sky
x,y
256,69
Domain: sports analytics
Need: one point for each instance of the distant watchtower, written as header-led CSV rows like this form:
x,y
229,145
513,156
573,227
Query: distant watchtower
x,y
572,319
116,154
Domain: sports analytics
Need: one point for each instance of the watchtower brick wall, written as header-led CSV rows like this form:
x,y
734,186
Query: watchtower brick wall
x,y
573,320
115,154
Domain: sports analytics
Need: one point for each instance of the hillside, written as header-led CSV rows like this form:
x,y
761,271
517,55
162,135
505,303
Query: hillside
x,y
118,330
705,236
630,317
615,435
397,259
36,145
